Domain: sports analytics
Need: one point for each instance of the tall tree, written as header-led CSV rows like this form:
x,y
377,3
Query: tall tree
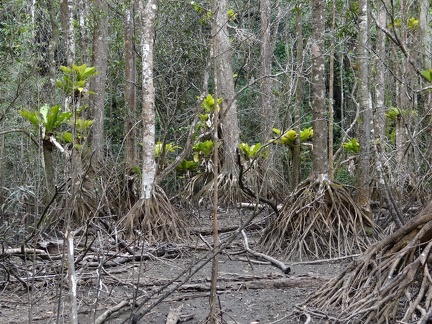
x,y
225,83
153,211
365,104
67,22
130,86
98,84
318,91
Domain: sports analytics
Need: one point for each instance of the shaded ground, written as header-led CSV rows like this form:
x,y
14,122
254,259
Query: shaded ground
x,y
249,292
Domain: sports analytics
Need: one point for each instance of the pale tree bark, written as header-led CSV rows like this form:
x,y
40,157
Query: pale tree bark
x,y
267,117
320,125
224,77
148,17
331,89
67,22
426,63
299,94
84,32
380,109
365,103
98,83
130,87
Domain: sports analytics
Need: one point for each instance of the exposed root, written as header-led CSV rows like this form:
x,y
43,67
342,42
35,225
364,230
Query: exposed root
x,y
201,188
319,219
155,219
390,283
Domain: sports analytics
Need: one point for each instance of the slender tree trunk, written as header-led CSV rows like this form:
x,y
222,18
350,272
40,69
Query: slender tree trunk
x,y
365,109
98,83
67,22
380,109
224,76
148,17
84,32
331,89
267,111
130,87
296,171
320,124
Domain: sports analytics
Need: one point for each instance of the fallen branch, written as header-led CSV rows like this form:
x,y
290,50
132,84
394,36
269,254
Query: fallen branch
x,y
111,311
279,264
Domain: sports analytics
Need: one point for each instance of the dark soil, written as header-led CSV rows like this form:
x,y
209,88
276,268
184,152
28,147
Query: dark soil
x,y
249,292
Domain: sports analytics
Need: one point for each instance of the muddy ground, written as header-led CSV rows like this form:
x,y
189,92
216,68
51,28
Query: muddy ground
x,y
249,290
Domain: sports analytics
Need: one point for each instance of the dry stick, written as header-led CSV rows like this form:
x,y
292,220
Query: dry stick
x,y
72,278
285,269
110,311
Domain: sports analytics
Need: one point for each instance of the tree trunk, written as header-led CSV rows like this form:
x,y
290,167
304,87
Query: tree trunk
x,y
320,125
380,108
148,17
67,22
299,94
365,109
98,83
267,117
224,78
130,87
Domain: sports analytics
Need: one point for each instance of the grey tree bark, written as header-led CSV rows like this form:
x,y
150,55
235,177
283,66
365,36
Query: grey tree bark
x,y
364,99
320,125
224,77
130,87
98,83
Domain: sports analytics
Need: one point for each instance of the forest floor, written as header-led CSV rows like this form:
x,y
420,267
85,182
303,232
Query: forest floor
x,y
249,290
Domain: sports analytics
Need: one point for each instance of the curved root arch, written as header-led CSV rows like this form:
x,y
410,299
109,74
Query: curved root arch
x,y
319,219
391,282
156,219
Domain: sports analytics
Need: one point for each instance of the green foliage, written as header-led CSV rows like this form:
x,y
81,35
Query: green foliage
x,y
206,14
82,125
75,79
413,23
49,118
203,150
253,151
66,137
209,102
427,74
232,15
306,134
352,146
169,148
393,113
289,137
186,166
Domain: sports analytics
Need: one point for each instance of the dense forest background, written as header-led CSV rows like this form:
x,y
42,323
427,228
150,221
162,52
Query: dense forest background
x,y
133,113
